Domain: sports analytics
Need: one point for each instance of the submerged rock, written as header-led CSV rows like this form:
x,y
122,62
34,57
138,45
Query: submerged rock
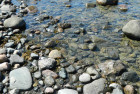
x,y
107,2
132,29
14,22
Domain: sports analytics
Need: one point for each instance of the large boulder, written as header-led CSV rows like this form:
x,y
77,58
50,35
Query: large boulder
x,y
132,29
95,87
14,22
107,2
20,79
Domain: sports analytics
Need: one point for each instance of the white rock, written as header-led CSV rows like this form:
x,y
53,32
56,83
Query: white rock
x,y
85,77
67,91
55,54
4,66
49,90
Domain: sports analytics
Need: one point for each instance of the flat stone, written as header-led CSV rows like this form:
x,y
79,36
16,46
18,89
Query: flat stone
x,y
20,79
16,59
46,63
94,87
67,91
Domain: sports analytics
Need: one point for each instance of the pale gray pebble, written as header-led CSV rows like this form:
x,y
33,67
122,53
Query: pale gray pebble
x,y
37,74
62,73
9,44
49,81
70,69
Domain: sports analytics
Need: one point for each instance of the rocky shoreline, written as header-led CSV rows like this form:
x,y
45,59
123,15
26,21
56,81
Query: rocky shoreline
x,y
30,68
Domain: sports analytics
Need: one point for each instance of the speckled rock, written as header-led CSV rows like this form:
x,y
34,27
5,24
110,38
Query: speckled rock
x,y
49,81
46,63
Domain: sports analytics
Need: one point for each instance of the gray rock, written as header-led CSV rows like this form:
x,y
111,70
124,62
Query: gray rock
x,y
16,59
23,40
34,56
70,69
14,22
94,87
9,44
107,2
85,77
132,29
62,73
117,91
47,63
50,43
37,74
96,39
111,67
8,8
92,46
49,81
94,73
20,79
130,76
67,91
2,51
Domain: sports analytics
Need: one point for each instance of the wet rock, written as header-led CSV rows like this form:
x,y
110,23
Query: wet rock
x,y
14,22
90,5
129,89
67,91
123,7
16,59
62,73
64,25
47,63
107,2
9,44
111,67
3,58
32,9
96,39
85,77
50,44
55,54
92,46
49,81
49,90
4,66
46,73
130,76
20,79
70,69
23,40
132,29
37,74
94,87
94,73
2,51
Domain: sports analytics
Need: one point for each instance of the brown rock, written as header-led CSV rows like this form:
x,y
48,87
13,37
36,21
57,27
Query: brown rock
x,y
123,7
55,54
3,58
129,89
46,73
32,9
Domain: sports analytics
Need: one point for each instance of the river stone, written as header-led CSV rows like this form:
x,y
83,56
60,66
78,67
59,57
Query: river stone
x,y
132,29
8,8
47,63
67,91
3,58
55,54
16,59
117,91
111,67
2,50
107,2
85,77
20,79
46,73
94,87
14,22
129,89
62,73
130,76
49,81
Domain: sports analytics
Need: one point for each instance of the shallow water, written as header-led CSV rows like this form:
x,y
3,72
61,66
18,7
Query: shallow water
x,y
93,19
